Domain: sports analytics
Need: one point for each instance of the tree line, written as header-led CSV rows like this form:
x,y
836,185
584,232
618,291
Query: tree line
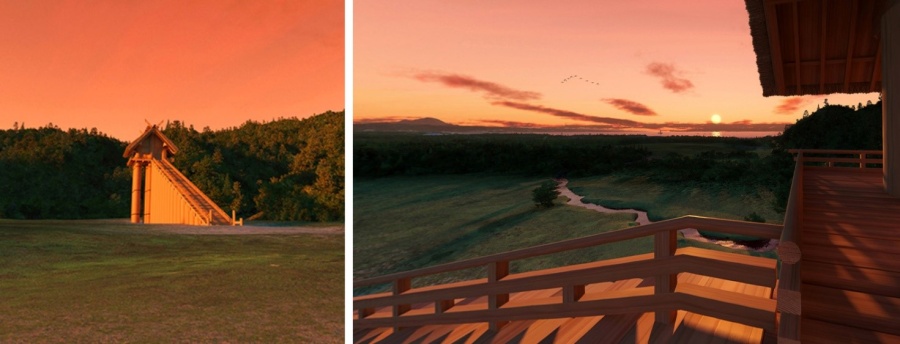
x,y
284,170
388,154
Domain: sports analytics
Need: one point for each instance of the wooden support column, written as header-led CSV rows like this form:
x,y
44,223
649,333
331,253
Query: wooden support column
x,y
496,272
136,192
890,96
664,245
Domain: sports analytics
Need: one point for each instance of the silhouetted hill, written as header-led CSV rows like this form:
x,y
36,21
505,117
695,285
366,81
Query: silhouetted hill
x,y
427,121
426,124
434,125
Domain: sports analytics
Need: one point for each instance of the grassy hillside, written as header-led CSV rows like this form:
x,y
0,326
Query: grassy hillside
x,y
105,281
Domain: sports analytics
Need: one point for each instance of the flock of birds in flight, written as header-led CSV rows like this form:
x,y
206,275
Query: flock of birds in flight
x,y
587,81
579,78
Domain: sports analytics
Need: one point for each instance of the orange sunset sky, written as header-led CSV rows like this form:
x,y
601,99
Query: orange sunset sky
x,y
649,64
112,64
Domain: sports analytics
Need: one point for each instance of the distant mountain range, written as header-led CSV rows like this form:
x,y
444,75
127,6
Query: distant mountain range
x,y
434,125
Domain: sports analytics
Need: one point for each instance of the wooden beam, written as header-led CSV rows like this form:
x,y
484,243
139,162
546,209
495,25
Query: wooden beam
x,y
876,69
797,46
831,61
854,8
822,42
775,47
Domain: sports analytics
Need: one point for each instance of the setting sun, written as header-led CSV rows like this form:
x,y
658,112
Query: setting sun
x,y
716,119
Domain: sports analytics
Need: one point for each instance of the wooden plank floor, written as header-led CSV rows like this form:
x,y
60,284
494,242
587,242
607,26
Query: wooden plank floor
x,y
635,328
851,257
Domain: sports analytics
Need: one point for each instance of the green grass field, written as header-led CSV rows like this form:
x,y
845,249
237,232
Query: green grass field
x,y
107,281
404,223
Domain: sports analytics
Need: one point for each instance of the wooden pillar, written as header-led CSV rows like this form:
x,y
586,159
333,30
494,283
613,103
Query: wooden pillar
x,y
147,186
890,96
136,192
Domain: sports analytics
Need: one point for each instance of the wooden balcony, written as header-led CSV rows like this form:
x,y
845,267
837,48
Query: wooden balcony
x,y
838,280
850,239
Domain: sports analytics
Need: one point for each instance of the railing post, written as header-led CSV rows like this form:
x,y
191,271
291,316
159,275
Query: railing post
x,y
572,293
862,160
496,272
442,306
364,312
400,286
664,245
788,302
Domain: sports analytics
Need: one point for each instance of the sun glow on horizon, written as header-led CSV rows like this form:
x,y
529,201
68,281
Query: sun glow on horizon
x,y
716,119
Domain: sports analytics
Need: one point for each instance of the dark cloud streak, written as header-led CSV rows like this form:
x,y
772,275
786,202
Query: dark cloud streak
x,y
490,89
619,124
629,106
568,114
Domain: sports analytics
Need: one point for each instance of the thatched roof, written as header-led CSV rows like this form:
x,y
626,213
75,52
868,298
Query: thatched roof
x,y
151,130
817,46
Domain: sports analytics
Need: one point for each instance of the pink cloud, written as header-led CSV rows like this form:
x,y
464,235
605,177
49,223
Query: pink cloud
x,y
670,77
790,106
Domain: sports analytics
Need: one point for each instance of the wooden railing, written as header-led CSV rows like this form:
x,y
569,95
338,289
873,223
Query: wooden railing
x,y
840,158
662,266
788,291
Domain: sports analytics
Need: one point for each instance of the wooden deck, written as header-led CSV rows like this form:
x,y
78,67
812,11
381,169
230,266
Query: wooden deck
x,y
630,328
850,243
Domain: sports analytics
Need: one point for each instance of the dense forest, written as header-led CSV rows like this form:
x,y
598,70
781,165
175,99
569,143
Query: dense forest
x,y
284,170
385,154
736,163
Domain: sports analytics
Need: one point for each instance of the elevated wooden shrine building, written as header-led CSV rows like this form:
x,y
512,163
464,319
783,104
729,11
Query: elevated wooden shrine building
x,y
162,194
837,277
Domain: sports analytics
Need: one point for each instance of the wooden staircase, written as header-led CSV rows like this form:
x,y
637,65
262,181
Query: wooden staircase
x,y
198,200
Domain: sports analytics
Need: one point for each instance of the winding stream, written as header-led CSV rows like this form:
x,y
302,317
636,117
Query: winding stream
x,y
642,219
